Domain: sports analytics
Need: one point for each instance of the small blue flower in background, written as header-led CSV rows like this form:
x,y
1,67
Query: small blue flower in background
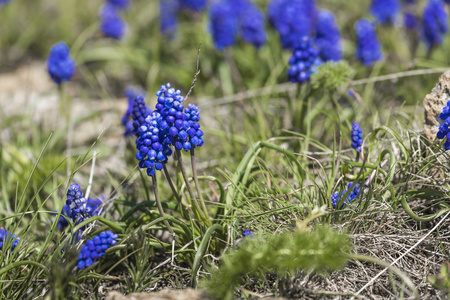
x,y
3,2
60,65
410,21
328,37
304,61
248,233
357,137
120,4
434,23
223,24
77,208
6,237
444,130
196,5
168,16
336,197
385,11
251,23
95,248
111,24
127,118
293,19
368,47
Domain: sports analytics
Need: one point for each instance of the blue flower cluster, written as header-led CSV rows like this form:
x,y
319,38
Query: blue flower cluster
x,y
336,197
293,19
3,2
139,113
444,130
385,11
229,19
357,137
95,248
410,20
77,208
127,118
248,233
368,48
60,65
304,61
328,37
168,21
120,4
7,236
196,5
112,24
171,124
434,22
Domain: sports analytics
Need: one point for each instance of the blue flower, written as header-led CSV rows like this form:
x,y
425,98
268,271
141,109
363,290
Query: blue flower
x,y
197,5
304,61
357,137
328,37
356,192
140,113
127,118
95,248
7,237
368,48
223,24
251,23
434,23
248,233
120,4
293,19
111,24
444,130
410,20
168,16
3,2
60,65
385,10
77,208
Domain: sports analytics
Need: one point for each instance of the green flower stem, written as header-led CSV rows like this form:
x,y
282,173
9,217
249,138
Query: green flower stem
x,y
201,252
196,207
175,193
158,204
197,186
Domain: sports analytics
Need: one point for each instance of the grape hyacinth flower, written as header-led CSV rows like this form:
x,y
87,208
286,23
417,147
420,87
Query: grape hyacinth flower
x,y
119,4
6,237
248,233
251,23
293,19
410,20
328,37
336,197
357,137
140,113
304,61
368,48
168,16
3,2
195,5
127,118
111,24
444,130
77,208
385,11
95,248
60,65
434,23
223,24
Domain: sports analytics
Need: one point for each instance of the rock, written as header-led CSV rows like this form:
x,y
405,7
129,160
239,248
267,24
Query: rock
x,y
166,294
433,104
